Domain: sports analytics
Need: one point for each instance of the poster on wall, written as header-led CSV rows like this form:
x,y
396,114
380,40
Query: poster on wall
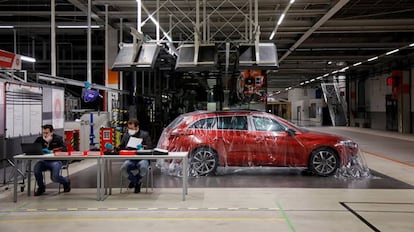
x,y
23,110
58,108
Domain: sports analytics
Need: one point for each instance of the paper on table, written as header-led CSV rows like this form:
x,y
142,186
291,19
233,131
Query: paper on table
x,y
134,142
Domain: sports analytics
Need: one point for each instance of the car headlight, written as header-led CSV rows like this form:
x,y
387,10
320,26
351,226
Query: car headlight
x,y
349,143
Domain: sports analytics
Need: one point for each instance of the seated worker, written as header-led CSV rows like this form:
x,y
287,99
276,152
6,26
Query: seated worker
x,y
50,142
140,165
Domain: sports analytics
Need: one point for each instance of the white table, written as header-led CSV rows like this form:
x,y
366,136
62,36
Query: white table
x,y
30,158
171,155
101,168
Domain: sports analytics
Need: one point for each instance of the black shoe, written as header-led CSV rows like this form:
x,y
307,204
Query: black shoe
x,y
66,187
137,187
131,185
39,191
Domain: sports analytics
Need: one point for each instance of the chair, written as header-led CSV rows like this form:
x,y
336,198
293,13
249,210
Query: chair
x,y
149,175
64,166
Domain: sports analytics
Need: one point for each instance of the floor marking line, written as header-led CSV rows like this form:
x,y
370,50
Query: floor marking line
x,y
389,159
359,217
285,217
137,219
15,209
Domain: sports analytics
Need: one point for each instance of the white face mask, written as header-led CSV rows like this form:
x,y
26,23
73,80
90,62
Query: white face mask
x,y
132,132
48,139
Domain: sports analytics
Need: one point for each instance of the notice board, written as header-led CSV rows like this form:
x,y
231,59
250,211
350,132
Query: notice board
x,y
23,112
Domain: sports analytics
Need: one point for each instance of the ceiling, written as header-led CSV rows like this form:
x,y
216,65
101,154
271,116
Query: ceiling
x,y
316,37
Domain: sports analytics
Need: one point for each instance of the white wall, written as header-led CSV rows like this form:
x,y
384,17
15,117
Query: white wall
x,y
304,97
375,90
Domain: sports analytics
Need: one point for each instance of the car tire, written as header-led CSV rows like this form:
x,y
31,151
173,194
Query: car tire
x,y
203,161
324,161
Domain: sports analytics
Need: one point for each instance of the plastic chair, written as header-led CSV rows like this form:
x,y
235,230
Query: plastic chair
x,y
64,166
149,176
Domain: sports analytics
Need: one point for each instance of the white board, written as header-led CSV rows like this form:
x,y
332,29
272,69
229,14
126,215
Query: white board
x,y
23,110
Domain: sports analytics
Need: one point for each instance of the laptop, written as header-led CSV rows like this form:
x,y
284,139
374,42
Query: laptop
x,y
32,148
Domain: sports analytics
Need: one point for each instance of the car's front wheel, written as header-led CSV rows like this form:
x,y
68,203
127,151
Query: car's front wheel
x,y
324,161
203,161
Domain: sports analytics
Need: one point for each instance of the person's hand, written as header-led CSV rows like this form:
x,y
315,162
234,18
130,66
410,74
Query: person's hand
x,y
46,151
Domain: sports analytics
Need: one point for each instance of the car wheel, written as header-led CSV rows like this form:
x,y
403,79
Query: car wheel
x,y
324,162
203,161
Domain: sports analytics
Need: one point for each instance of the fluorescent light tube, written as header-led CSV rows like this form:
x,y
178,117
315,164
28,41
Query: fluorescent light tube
x,y
6,27
356,64
319,78
411,45
292,1
391,52
302,83
77,26
281,19
373,58
28,59
326,75
272,35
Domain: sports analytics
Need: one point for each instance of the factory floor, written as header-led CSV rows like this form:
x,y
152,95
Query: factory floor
x,y
238,199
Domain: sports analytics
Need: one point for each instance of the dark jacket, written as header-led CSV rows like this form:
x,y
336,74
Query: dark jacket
x,y
146,139
56,143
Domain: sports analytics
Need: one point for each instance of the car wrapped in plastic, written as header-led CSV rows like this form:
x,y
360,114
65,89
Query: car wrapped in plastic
x,y
247,138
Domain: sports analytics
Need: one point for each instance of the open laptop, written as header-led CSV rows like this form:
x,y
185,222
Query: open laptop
x,y
32,148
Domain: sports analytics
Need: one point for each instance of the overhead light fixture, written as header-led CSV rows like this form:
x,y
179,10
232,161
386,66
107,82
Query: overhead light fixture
x,y
6,27
356,64
292,1
28,59
312,80
272,35
302,83
344,69
281,19
411,45
334,72
326,75
329,62
307,82
373,58
287,89
319,78
391,52
77,27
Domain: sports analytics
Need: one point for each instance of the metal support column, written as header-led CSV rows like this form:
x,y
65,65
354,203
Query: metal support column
x,y
53,37
108,106
89,45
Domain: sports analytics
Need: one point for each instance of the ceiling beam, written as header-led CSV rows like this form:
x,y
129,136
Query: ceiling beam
x,y
321,21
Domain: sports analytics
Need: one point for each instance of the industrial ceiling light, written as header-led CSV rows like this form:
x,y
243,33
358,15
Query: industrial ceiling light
x,y
411,45
356,64
77,27
281,19
6,27
282,16
392,52
28,59
373,58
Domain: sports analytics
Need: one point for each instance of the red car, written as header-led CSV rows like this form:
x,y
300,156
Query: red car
x,y
253,138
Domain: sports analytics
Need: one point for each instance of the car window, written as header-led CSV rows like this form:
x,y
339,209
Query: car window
x,y
205,123
232,123
176,121
266,124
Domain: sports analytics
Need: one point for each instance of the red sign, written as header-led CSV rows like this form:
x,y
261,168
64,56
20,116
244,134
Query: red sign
x,y
9,60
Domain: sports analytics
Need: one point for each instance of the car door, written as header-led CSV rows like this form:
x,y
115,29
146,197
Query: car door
x,y
275,146
234,131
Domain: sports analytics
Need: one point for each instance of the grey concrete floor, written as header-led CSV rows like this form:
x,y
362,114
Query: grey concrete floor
x,y
287,203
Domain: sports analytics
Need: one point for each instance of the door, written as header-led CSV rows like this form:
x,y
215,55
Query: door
x,y
275,146
391,113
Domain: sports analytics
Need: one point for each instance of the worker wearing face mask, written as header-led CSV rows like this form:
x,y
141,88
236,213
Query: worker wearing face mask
x,y
140,165
50,142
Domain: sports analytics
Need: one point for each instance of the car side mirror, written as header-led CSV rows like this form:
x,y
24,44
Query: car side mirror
x,y
290,132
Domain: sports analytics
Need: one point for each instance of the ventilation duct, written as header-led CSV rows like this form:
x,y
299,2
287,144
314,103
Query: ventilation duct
x,y
262,56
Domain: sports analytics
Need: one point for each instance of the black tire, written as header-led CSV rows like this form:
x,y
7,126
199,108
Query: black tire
x,y
203,161
324,161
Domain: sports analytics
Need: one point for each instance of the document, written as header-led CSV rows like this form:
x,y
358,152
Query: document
x,y
134,142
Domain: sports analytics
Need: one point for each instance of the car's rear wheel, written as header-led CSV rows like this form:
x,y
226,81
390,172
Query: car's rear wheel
x,y
324,161
203,161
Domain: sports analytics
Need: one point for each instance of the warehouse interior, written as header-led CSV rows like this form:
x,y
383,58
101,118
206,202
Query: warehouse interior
x,y
344,67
